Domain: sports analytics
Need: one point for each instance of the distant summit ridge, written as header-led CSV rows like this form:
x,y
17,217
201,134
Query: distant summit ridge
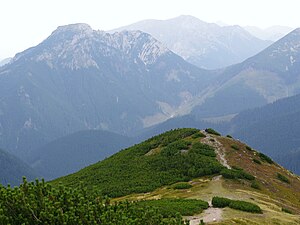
x,y
74,27
283,56
266,77
79,78
206,45
76,46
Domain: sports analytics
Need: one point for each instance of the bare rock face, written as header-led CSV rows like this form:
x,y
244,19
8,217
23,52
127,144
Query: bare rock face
x,y
206,45
80,78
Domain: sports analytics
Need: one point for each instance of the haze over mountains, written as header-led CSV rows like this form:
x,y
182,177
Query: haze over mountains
x,y
73,152
273,33
79,79
109,118
5,61
270,75
206,45
12,169
274,128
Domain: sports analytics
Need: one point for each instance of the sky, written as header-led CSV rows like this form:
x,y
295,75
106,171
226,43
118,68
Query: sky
x,y
25,24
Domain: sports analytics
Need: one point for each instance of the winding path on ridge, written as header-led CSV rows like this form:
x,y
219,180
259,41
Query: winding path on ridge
x,y
219,149
212,214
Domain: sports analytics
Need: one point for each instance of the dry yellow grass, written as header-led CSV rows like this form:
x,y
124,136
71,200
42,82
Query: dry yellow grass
x,y
273,196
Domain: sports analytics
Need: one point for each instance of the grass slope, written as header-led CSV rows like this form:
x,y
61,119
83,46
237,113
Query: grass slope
x,y
149,171
168,158
266,173
267,191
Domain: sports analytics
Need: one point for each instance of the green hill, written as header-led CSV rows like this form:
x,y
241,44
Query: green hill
x,y
274,129
183,174
162,160
189,164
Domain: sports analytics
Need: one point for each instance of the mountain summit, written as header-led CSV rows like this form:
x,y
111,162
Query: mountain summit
x,y
80,78
206,45
77,46
283,56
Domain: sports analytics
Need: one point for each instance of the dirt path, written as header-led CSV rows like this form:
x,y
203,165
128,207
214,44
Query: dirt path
x,y
211,214
220,151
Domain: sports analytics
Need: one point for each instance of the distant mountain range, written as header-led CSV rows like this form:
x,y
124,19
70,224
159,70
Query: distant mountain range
x,y
79,79
206,45
73,152
270,75
273,33
5,61
261,79
273,129
82,79
13,169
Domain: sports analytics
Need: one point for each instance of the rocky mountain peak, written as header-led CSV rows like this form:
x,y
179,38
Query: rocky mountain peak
x,y
75,28
296,31
206,45
291,39
284,52
184,19
139,45
78,46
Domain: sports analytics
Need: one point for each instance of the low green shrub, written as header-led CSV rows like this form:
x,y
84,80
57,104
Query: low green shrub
x,y
229,136
257,161
245,175
198,135
236,168
203,149
265,158
229,174
39,203
170,136
182,185
235,147
255,185
236,174
283,178
245,206
175,147
287,210
212,131
248,148
220,202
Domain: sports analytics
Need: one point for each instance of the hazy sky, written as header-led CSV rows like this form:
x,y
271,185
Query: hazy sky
x,y
25,23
